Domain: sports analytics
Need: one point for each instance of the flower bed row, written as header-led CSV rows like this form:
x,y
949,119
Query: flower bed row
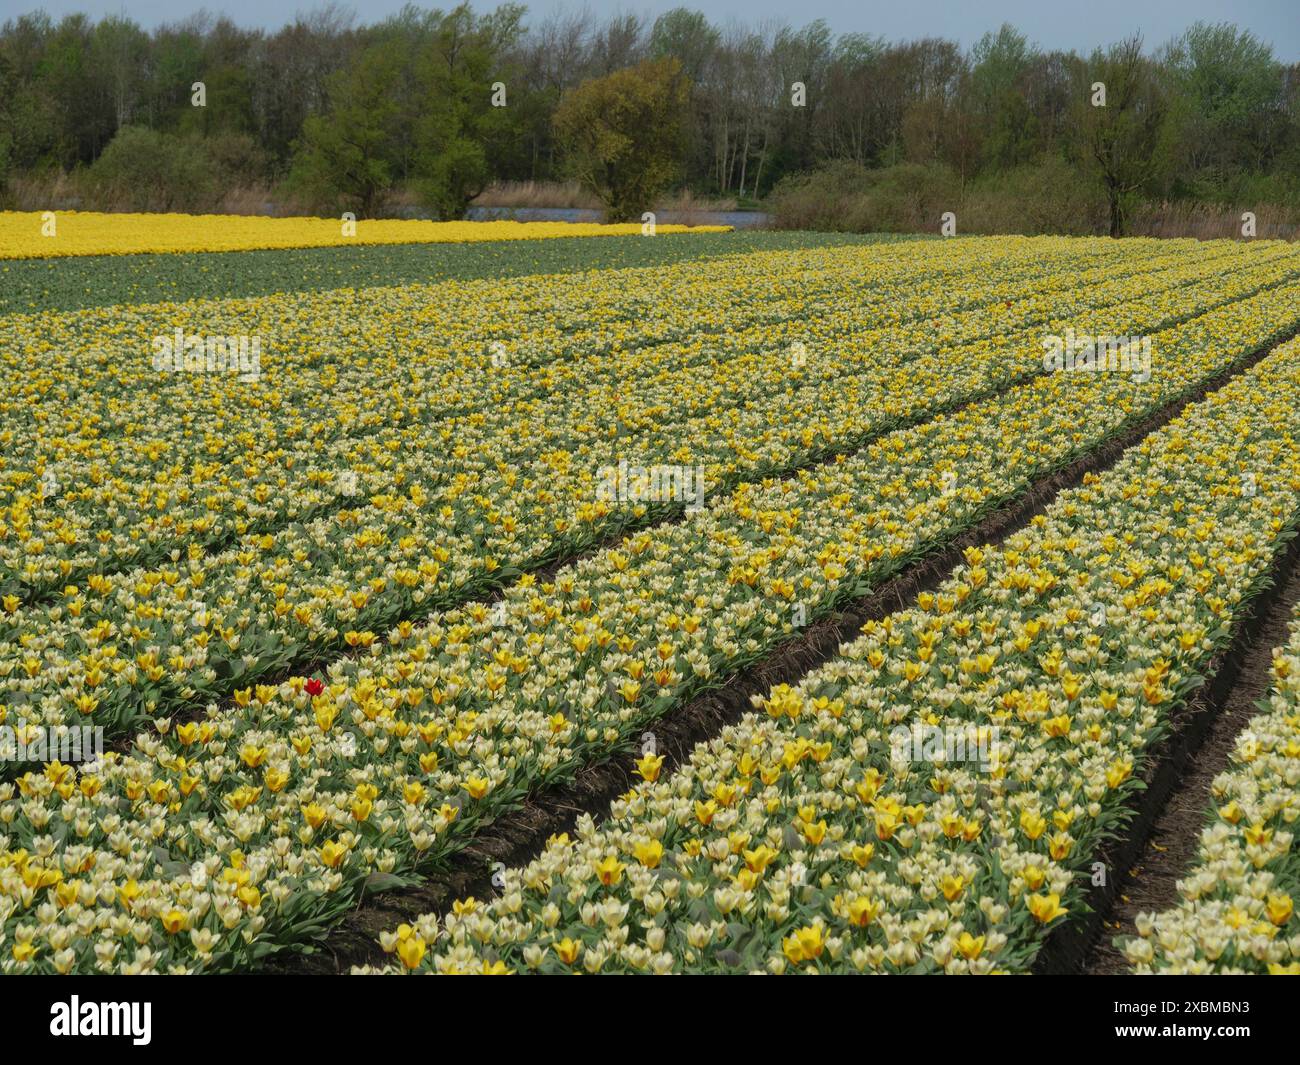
x,y
27,234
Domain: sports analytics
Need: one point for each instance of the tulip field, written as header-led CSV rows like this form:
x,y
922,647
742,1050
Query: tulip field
x,y
343,574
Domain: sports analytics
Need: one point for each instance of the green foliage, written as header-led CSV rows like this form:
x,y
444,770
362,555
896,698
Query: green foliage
x,y
1010,128
624,134
463,131
1043,196
1046,195
6,159
848,197
236,158
686,36
143,170
347,155
414,108
1125,145
1224,84
360,117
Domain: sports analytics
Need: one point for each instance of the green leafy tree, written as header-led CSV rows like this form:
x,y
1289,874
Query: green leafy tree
x,y
346,155
1228,101
462,136
688,37
1001,62
623,134
1124,144
144,170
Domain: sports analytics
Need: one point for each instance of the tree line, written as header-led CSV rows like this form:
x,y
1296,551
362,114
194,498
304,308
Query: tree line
x,y
436,105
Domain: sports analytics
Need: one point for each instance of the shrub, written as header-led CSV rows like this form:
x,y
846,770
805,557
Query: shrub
x,y
1042,197
143,170
846,197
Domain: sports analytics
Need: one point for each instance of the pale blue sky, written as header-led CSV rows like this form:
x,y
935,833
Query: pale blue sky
x,y
1081,24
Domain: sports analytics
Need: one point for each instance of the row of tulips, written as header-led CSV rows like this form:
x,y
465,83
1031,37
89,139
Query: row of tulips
x,y
1235,910
933,799
192,466
215,840
151,640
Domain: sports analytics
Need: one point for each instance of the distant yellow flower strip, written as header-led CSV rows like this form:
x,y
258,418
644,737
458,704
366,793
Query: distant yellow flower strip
x,y
813,837
214,840
145,641
1236,914
27,235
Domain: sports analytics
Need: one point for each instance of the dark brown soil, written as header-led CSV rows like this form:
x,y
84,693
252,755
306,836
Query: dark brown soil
x,y
519,835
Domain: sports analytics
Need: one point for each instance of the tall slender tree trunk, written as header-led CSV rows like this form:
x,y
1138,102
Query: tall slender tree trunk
x,y
1113,202
762,158
744,159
